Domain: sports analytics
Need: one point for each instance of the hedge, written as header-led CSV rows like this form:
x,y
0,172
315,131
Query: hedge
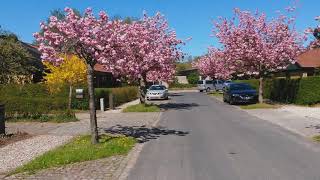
x,y
121,95
305,91
33,100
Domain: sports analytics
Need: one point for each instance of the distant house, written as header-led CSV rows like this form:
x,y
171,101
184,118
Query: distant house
x,y
35,57
307,64
102,77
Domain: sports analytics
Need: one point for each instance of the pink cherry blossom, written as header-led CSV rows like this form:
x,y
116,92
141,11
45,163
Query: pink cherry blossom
x,y
252,45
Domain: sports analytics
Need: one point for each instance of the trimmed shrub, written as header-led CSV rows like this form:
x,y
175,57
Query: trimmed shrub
x,y
178,85
33,101
121,95
305,91
309,91
193,78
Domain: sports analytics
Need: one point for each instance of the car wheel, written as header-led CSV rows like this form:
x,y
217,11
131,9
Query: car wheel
x,y
231,102
224,100
200,90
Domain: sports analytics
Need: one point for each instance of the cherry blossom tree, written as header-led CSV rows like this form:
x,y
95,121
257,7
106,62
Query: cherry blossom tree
x,y
93,39
257,46
214,65
151,52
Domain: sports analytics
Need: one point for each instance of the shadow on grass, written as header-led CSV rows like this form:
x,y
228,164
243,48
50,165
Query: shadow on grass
x,y
142,133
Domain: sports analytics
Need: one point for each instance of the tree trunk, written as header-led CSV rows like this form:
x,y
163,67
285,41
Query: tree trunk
x,y
92,106
142,88
261,90
70,98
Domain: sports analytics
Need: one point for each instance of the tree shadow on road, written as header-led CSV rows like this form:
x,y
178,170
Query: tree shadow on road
x,y
142,133
175,94
178,106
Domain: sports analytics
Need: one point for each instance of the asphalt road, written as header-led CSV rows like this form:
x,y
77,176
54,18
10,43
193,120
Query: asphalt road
x,y
204,139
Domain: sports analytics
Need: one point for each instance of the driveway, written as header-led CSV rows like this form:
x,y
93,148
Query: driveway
x,y
203,139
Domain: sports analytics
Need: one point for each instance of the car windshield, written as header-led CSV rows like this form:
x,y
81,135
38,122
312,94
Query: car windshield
x,y
200,82
240,87
157,88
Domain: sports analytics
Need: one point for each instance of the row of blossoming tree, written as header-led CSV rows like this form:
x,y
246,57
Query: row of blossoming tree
x,y
140,50
252,45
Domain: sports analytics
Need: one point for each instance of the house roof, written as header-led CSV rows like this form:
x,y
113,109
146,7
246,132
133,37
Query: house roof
x,y
100,68
310,58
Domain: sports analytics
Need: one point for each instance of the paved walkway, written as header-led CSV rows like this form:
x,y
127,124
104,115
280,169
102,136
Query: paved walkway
x,y
95,170
301,120
299,123
50,135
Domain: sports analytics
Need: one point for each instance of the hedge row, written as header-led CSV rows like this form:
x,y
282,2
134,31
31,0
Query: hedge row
x,y
120,95
304,91
33,100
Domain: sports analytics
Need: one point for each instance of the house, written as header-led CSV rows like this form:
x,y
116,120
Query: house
x,y
103,78
307,64
35,59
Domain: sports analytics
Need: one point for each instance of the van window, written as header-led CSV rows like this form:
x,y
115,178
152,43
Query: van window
x,y
200,82
209,82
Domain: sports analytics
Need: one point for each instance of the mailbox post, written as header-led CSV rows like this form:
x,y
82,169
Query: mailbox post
x,y
79,93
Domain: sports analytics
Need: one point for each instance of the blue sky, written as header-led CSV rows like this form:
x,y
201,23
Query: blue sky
x,y
188,18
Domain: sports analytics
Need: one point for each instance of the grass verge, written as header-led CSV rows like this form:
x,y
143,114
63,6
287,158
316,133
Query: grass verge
x,y
316,138
215,94
78,150
142,108
259,106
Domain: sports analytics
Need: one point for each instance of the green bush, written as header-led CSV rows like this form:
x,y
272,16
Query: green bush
x,y
193,78
181,86
305,91
309,91
33,101
120,95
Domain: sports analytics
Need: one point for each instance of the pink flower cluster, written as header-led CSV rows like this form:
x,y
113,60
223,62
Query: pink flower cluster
x,y
252,45
142,48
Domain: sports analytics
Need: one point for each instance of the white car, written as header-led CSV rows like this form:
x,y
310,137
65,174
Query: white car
x,y
157,92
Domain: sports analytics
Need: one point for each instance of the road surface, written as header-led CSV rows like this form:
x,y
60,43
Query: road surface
x,y
204,139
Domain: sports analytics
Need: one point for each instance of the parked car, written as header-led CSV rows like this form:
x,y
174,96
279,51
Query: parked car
x,y
157,92
240,93
226,83
206,85
218,85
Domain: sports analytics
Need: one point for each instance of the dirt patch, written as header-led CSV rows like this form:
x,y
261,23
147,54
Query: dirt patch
x,y
11,138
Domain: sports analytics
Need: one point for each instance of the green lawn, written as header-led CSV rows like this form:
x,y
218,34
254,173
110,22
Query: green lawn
x,y
142,108
316,138
215,94
259,106
78,150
